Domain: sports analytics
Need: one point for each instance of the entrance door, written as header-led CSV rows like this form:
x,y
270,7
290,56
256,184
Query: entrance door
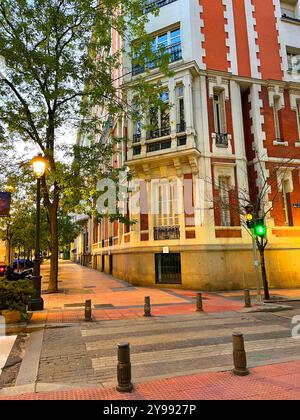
x,y
103,263
110,264
168,268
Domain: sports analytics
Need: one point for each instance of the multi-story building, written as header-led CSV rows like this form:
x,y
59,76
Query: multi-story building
x,y
233,125
2,252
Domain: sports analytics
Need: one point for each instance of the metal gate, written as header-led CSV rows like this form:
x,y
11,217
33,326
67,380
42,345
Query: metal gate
x,y
168,268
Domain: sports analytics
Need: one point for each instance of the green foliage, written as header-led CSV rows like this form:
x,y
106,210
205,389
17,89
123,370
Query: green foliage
x,y
15,295
59,77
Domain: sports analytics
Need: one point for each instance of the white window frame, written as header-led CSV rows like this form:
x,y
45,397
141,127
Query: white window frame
x,y
166,197
168,33
179,99
219,106
285,191
224,200
276,109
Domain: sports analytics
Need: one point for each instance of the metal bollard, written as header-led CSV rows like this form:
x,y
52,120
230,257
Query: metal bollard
x,y
88,310
199,303
147,306
247,299
124,369
239,355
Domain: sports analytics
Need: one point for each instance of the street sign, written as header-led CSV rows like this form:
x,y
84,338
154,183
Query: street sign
x,y
296,206
5,199
166,250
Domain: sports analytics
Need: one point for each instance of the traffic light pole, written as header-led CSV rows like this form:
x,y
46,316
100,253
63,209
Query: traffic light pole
x,y
256,265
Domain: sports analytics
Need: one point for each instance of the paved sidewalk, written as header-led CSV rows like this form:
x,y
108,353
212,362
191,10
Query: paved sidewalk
x,y
271,382
116,299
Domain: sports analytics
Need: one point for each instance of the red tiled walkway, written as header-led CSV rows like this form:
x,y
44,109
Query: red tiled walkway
x,y
273,382
78,284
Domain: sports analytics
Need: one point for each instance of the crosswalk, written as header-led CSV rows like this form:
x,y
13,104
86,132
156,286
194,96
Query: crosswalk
x,y
179,345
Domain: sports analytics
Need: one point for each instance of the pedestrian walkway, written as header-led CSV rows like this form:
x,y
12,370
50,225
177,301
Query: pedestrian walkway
x,y
116,299
84,355
270,382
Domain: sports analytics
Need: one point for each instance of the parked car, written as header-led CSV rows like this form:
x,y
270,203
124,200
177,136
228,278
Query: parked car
x,y
22,264
2,269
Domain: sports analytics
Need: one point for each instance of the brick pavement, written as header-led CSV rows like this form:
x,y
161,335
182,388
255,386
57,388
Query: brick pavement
x,y
85,353
269,382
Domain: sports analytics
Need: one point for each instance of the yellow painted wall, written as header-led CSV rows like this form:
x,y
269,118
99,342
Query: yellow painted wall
x,y
2,251
212,270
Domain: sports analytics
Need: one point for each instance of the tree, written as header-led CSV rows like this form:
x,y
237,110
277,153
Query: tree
x,y
262,194
60,67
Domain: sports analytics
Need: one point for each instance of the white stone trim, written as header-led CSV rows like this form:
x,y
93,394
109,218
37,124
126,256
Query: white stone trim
x,y
223,169
230,40
294,98
252,38
219,83
282,50
202,37
281,143
285,174
276,92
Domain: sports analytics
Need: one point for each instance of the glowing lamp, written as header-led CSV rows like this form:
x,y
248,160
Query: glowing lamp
x,y
39,165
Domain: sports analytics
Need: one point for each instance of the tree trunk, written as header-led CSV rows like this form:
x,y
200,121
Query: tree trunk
x,y
264,273
53,280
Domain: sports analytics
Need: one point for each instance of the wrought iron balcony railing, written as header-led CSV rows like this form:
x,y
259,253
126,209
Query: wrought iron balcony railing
x,y
222,140
136,138
150,4
159,132
294,66
175,52
162,233
292,18
181,127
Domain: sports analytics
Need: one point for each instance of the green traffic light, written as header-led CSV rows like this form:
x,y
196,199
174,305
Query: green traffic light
x,y
260,229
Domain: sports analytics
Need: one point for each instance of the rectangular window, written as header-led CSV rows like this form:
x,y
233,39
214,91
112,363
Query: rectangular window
x,y
276,109
286,195
168,42
96,232
168,268
166,201
293,62
298,119
159,119
180,110
219,113
224,201
137,124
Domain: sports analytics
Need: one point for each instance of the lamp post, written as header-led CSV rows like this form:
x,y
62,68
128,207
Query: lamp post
x,y
37,303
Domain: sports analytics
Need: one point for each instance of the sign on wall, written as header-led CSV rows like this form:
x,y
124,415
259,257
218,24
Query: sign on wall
x,y
5,199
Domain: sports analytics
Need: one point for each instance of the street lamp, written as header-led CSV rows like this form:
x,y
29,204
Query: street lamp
x,y
39,165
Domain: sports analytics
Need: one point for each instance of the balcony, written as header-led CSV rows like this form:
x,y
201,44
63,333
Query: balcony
x,y
160,132
181,127
163,233
175,52
136,138
159,145
150,4
290,18
222,140
294,66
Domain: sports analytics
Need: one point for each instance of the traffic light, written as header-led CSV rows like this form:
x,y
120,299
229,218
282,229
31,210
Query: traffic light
x,y
249,216
260,228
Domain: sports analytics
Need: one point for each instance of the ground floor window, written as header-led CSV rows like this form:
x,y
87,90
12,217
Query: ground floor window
x,y
168,268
